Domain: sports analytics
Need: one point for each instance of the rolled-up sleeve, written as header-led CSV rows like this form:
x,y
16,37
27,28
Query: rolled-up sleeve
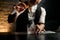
x,y
43,14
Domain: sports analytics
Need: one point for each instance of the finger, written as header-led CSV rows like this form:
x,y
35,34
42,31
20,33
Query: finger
x,y
37,31
14,7
44,30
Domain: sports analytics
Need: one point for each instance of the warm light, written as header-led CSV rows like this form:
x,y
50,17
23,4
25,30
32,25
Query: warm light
x,y
4,28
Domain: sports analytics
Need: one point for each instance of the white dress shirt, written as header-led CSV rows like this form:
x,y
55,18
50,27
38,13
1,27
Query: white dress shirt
x,y
43,14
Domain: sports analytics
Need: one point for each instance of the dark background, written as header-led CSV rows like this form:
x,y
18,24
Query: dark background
x,y
52,8
52,14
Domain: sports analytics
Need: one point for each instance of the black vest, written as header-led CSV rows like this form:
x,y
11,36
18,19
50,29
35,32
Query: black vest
x,y
37,15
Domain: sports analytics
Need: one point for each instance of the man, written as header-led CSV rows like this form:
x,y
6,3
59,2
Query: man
x,y
32,16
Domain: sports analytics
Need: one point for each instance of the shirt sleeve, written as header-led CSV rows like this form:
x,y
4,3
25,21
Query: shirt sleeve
x,y
43,14
13,12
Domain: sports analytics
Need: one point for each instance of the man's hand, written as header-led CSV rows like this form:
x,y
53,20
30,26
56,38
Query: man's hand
x,y
40,28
